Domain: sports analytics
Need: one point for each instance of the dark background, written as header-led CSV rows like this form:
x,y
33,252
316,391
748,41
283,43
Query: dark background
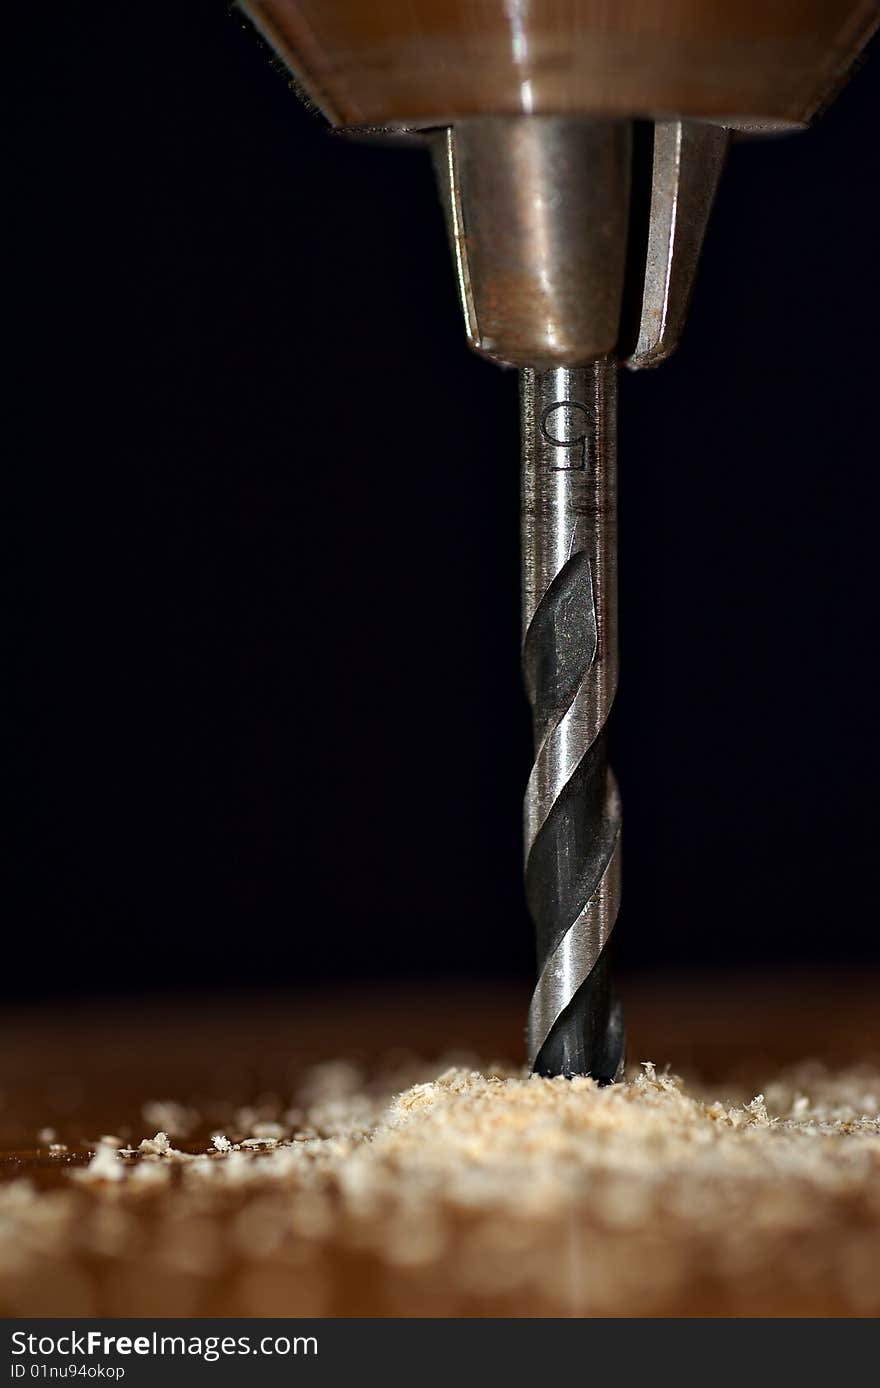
x,y
265,719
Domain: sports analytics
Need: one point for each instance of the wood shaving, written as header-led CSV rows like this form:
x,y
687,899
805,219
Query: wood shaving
x,y
105,1165
478,1193
158,1146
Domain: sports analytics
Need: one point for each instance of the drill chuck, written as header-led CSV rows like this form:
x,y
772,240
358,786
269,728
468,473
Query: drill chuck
x,y
578,152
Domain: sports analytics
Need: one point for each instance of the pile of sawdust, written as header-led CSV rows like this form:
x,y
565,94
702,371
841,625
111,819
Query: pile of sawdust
x,y
473,1194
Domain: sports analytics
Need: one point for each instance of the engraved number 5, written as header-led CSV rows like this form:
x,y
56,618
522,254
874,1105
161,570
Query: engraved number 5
x,y
575,415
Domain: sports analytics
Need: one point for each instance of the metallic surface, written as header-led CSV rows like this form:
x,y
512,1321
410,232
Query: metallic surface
x,y
572,808
562,264
537,210
745,63
688,160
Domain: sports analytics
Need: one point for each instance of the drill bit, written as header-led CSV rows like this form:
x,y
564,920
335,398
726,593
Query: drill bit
x,y
569,655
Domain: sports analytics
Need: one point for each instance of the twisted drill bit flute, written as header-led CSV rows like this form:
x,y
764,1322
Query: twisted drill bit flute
x,y
576,213
572,807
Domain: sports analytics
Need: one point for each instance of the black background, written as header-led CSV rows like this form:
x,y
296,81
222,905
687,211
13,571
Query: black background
x,y
265,719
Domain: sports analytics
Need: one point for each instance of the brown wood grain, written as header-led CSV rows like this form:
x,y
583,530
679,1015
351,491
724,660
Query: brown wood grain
x,y
87,1070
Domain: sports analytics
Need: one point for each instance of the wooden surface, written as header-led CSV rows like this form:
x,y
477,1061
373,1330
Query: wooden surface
x,y
88,1071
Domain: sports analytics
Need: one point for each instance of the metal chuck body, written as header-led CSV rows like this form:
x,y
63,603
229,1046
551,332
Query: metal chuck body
x,y
572,808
